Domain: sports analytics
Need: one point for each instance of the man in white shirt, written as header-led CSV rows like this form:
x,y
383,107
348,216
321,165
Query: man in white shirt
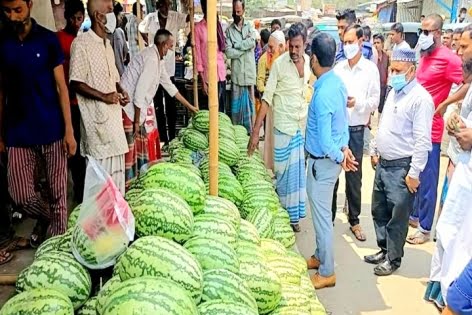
x,y
397,36
399,154
362,81
172,21
142,77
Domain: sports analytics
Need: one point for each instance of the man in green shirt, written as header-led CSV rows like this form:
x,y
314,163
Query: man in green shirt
x,y
240,44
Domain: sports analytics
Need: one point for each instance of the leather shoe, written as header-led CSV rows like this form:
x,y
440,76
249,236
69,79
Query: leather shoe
x,y
313,263
320,282
385,268
376,258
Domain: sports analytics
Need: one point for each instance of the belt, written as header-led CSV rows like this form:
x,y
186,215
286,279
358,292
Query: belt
x,y
356,128
318,157
403,162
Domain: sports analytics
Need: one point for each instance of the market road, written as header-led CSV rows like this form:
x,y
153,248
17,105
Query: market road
x,y
358,291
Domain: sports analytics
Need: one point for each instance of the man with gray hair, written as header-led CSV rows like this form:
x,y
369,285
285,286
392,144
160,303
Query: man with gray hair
x,y
287,92
399,154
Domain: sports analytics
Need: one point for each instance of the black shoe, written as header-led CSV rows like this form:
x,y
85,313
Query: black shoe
x,y
376,258
386,268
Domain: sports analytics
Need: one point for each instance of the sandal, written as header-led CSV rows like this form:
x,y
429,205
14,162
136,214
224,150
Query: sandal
x,y
357,231
296,227
418,238
16,243
5,257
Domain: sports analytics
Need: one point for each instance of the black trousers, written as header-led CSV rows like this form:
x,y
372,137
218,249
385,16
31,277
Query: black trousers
x,y
203,99
77,163
392,204
6,228
166,114
353,179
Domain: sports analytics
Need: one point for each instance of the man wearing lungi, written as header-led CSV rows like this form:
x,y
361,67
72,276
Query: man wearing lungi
x,y
287,92
399,154
240,44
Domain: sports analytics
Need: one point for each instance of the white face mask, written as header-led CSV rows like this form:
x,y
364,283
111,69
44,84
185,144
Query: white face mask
x,y
425,42
110,26
351,50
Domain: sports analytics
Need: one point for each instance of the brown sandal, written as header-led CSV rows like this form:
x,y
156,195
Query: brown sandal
x,y
357,231
5,257
16,243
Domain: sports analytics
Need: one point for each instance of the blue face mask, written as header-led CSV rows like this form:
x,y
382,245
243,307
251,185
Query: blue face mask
x,y
398,81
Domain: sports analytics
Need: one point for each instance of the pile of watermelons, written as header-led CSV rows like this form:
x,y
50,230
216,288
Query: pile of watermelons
x,y
193,253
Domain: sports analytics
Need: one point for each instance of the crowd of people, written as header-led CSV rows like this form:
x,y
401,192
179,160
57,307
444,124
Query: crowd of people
x,y
72,94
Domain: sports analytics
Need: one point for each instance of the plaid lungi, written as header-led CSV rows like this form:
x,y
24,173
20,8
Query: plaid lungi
x,y
137,155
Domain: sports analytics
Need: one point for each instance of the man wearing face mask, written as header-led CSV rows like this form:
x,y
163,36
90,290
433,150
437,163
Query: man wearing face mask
x,y
399,153
362,80
240,45
95,79
142,77
439,68
164,18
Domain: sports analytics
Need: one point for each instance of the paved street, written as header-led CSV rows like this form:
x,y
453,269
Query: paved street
x,y
358,291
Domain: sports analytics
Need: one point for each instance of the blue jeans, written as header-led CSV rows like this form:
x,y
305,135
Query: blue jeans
x,y
426,197
321,178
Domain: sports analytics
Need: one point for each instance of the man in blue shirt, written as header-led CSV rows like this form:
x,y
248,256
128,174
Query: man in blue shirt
x,y
327,137
35,122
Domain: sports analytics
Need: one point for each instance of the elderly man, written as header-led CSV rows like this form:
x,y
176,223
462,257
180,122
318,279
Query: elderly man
x,y
142,78
164,18
399,154
240,45
439,68
362,81
276,47
287,92
326,144
35,121
94,77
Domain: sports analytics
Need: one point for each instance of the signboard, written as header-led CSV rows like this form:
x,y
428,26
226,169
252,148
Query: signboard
x,y
329,9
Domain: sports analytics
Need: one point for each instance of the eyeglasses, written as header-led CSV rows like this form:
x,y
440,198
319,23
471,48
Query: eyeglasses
x,y
426,32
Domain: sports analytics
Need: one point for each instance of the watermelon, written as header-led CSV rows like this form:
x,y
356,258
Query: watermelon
x,y
229,188
287,310
264,284
132,194
224,208
37,302
156,256
264,199
298,261
89,308
201,121
219,307
106,291
226,132
148,295
263,221
248,232
161,212
213,253
293,296
286,269
272,248
55,243
212,226
224,120
58,271
221,284
246,250
228,152
316,308
179,180
73,217
195,140
240,131
283,233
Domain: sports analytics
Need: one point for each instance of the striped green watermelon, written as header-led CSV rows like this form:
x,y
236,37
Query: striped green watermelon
x,y
73,217
229,188
316,308
246,250
38,302
212,226
226,132
221,284
190,167
282,214
286,269
248,232
283,233
298,261
263,221
262,200
161,212
223,169
155,256
293,296
258,185
219,307
181,155
213,253
89,308
58,271
224,120
272,248
174,144
149,296
195,140
287,310
228,151
178,179
240,131
107,289
132,194
55,243
264,284
224,208
201,121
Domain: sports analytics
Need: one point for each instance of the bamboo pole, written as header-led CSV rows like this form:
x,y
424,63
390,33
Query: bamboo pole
x,y
194,53
212,95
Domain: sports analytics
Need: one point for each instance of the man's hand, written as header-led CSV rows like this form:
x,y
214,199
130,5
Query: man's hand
x,y
374,160
454,123
124,98
412,184
205,88
193,109
112,98
441,110
253,142
351,101
464,138
70,146
349,163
